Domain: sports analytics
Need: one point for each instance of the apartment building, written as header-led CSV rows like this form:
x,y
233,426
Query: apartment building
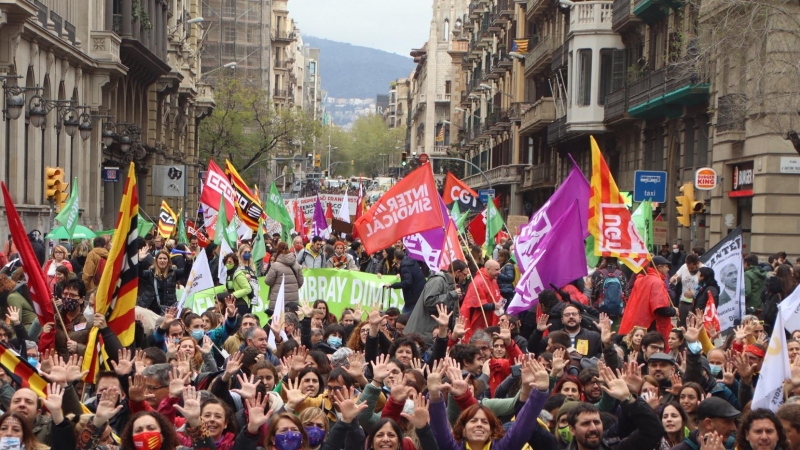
x,y
397,113
644,78
91,86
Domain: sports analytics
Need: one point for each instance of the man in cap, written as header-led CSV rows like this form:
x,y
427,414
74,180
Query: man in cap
x,y
649,301
714,414
661,366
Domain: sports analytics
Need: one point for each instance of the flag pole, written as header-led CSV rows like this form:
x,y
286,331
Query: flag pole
x,y
478,271
59,319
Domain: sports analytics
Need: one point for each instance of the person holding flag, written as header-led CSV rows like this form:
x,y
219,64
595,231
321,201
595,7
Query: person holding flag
x,y
483,303
649,301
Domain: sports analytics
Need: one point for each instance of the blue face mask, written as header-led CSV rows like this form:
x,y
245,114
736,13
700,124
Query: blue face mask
x,y
316,436
290,440
730,443
334,341
246,256
197,335
34,361
715,369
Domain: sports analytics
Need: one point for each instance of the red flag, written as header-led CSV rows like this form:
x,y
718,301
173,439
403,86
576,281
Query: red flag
x,y
455,189
411,206
40,294
451,249
202,240
217,184
300,220
477,228
360,205
710,316
329,212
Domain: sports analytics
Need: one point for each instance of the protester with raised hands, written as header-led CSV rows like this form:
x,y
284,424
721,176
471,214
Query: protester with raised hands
x,y
63,434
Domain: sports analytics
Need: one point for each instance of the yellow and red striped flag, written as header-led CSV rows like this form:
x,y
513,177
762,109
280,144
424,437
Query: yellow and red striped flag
x,y
610,220
167,219
248,206
22,372
440,136
119,285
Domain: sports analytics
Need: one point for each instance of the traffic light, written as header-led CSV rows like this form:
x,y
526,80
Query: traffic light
x,y
325,173
317,160
404,159
54,186
687,205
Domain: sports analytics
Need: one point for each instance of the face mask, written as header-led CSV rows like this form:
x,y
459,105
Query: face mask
x,y
229,266
565,434
197,335
290,440
69,304
316,436
334,341
11,443
246,256
88,313
148,440
731,441
676,250
34,361
715,369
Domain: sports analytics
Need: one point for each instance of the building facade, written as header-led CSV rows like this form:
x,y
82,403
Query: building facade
x,y
125,84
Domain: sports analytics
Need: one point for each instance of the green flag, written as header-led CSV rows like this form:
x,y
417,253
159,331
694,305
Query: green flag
x,y
259,248
278,212
591,258
224,229
494,223
457,217
70,213
643,219
182,238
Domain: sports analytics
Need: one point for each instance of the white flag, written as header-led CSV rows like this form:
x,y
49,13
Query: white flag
x,y
776,369
280,304
224,250
199,279
344,210
790,310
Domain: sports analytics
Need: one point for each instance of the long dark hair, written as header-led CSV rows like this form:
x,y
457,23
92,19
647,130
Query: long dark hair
x,y
709,278
747,421
169,437
784,273
398,431
28,438
229,416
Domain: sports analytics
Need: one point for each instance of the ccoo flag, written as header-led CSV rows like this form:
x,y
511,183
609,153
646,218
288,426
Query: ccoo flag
x,y
409,207
609,219
70,213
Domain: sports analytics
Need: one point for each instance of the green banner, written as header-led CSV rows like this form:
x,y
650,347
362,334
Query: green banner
x,y
340,288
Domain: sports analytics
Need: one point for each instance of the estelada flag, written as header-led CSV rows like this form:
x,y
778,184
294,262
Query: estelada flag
x,y
457,190
166,220
119,284
248,207
610,220
411,206
216,185
39,292
21,371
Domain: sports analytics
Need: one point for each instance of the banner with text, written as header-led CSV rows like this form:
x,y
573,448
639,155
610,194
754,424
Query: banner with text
x,y
726,260
306,204
340,288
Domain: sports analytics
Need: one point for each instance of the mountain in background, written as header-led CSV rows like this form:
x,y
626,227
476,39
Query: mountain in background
x,y
352,71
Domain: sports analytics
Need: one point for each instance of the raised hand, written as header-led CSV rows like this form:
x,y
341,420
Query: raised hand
x,y
47,360
541,323
306,308
125,365
298,361
435,375
460,328
73,368
53,401
380,368
442,317
652,399
107,407
633,376
677,384
169,317
177,382
348,407
744,368
191,406
400,392
276,327
421,416
294,396
13,315
230,306
257,413
712,441
207,345
729,373
356,364
172,347
504,334
459,382
606,335
541,379
693,326
615,385
249,385
136,389
559,362
233,366
416,364
184,363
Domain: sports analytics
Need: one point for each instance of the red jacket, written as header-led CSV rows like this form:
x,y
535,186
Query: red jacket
x,y
482,291
648,294
500,369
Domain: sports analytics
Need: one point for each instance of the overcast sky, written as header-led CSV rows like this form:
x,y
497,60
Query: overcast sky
x,y
389,25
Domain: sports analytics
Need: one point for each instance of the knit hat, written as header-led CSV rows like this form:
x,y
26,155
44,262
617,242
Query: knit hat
x,y
338,243
566,408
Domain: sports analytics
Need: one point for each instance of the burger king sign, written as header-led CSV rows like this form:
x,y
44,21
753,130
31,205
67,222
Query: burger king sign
x,y
705,179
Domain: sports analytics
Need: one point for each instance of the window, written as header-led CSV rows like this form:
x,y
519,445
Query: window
x,y
229,34
312,67
446,30
606,75
447,86
584,77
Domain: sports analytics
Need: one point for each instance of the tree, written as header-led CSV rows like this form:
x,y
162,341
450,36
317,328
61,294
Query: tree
x,y
246,127
363,144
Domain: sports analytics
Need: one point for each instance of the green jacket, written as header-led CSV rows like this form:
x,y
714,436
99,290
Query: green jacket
x,y
26,311
238,286
754,279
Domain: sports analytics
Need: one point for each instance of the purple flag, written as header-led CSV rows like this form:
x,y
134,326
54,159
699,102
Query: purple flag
x,y
574,188
427,245
558,258
319,224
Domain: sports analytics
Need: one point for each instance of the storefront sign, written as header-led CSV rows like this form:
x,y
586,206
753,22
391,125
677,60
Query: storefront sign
x,y
743,176
705,179
790,165
659,232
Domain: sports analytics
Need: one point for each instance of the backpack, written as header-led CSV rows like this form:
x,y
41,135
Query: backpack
x,y
611,300
98,273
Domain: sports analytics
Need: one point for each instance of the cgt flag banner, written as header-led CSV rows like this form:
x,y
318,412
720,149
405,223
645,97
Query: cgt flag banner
x,y
409,207
456,190
726,260
167,220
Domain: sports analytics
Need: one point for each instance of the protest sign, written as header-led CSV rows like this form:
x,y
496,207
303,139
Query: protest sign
x,y
726,260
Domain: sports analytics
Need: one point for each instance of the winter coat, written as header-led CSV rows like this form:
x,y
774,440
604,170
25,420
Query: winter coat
x,y
772,298
90,266
648,295
309,259
439,289
156,292
346,261
701,297
505,279
754,279
412,282
16,298
482,294
284,267
238,285
51,279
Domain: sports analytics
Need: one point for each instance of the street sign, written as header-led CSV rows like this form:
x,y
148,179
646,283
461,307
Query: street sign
x,y
423,158
649,184
111,174
705,179
483,195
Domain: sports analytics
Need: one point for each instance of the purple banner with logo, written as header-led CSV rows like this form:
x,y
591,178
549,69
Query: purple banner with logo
x,y
427,246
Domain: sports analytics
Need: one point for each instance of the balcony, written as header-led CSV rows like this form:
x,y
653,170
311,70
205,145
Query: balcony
x,y
281,93
665,92
560,57
538,115
616,107
506,8
283,35
623,17
535,7
540,176
557,130
143,48
475,10
539,57
442,98
652,11
591,17
495,23
440,149
282,65
497,121
499,176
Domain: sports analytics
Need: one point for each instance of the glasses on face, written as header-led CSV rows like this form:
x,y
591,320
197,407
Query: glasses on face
x,y
656,348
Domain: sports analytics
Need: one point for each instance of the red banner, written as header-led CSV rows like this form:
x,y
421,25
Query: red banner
x,y
411,206
202,240
457,190
451,250
217,184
